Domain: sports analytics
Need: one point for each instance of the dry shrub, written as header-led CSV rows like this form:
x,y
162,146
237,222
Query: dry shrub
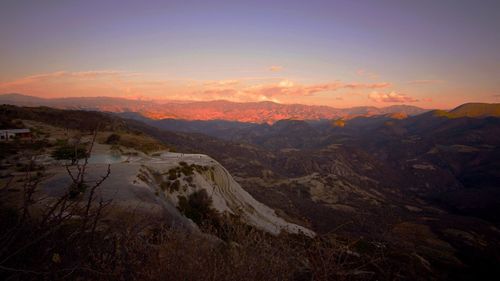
x,y
133,250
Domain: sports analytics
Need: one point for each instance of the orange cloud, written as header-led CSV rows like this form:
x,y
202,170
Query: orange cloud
x,y
221,83
60,75
125,84
367,86
289,88
276,68
390,97
83,83
425,81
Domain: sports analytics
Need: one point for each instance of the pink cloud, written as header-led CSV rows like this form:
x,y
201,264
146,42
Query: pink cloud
x,y
289,88
390,97
219,83
425,81
275,68
126,84
367,86
58,75
366,73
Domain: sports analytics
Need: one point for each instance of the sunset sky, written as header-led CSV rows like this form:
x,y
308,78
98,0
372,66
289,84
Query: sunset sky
x,y
428,53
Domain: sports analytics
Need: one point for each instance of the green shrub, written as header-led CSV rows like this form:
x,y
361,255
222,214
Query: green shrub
x,y
68,152
200,169
113,139
174,186
61,142
198,207
187,170
172,174
164,185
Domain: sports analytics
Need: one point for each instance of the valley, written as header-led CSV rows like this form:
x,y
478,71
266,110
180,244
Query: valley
x,y
424,186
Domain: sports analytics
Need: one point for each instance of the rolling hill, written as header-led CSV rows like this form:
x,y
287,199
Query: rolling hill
x,y
473,110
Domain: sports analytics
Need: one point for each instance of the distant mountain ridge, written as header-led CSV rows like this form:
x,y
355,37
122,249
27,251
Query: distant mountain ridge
x,y
473,110
253,112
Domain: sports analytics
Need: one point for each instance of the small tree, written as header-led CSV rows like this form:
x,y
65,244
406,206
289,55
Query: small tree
x,y
68,152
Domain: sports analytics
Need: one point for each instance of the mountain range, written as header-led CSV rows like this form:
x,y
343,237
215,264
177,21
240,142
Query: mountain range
x,y
253,112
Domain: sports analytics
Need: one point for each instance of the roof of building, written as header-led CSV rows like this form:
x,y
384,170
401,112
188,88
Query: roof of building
x,y
15,131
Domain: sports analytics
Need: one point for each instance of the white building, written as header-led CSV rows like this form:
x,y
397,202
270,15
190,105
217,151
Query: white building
x,y
13,134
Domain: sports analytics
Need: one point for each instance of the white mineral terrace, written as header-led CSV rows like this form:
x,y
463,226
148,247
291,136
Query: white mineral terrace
x,y
128,189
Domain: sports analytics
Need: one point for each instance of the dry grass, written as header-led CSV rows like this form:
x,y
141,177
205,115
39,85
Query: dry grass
x,y
139,142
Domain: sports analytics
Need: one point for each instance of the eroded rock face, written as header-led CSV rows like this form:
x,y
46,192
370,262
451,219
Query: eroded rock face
x,y
180,175
129,193
155,184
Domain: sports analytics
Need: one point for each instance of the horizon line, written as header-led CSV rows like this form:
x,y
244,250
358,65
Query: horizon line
x,y
234,102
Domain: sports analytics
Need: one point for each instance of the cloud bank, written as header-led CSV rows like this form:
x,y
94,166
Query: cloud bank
x,y
425,82
275,68
390,97
135,85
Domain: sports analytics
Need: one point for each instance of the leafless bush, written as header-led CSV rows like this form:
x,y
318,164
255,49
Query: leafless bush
x,y
40,228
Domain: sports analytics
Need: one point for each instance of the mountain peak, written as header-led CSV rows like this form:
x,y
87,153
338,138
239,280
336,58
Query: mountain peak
x,y
474,110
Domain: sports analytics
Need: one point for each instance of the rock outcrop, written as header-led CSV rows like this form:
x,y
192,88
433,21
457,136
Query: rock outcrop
x,y
155,184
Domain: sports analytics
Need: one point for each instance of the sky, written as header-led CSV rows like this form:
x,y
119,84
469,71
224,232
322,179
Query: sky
x,y
433,54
